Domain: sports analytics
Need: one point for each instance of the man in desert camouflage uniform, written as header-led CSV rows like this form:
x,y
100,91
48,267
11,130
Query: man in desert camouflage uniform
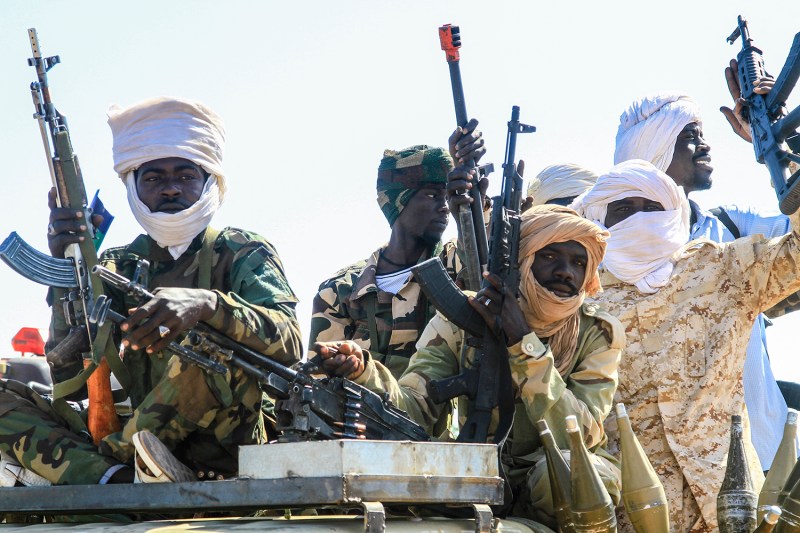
x,y
667,130
563,354
687,311
168,153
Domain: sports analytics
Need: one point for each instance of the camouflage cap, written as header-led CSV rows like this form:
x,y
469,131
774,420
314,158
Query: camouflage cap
x,y
403,172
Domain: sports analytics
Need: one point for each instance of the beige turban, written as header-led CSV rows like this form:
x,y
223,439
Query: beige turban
x,y
168,127
560,181
549,315
649,128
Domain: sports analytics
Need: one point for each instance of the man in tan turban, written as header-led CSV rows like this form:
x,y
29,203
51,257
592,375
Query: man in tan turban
x,y
563,354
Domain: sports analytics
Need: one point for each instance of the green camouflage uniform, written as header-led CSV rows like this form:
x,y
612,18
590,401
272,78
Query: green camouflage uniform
x,y
349,306
541,392
203,418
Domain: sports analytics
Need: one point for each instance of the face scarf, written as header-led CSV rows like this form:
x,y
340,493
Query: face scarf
x,y
551,316
560,181
175,231
641,247
649,128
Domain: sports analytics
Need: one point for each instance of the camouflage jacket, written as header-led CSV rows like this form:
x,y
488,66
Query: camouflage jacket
x,y
255,303
349,306
681,375
541,392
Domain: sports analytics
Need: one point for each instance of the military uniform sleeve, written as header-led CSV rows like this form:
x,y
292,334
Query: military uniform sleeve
x,y
329,318
769,268
259,309
436,358
588,391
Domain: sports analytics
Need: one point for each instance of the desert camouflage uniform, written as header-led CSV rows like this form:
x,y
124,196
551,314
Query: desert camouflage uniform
x,y
203,418
349,306
541,394
681,375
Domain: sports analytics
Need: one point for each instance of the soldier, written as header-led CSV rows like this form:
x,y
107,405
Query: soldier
x,y
563,354
667,130
376,302
559,185
168,153
687,311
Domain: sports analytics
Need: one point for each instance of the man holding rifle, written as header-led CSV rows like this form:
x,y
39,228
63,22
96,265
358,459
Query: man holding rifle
x,y
168,153
563,354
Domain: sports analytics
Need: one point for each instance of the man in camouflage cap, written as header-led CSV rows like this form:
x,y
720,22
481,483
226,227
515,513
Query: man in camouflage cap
x,y
563,355
376,302
168,152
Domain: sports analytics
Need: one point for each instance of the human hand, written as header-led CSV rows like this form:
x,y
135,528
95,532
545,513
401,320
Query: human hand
x,y
341,358
736,117
499,308
171,311
466,144
64,226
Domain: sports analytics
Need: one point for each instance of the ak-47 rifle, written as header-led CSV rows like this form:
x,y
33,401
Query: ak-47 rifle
x,y
775,139
307,408
73,273
487,382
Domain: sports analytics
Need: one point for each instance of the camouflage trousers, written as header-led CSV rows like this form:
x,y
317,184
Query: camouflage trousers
x,y
202,418
532,497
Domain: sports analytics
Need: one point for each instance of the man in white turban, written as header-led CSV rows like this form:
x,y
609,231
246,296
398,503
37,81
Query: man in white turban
x,y
559,185
687,310
666,129
168,153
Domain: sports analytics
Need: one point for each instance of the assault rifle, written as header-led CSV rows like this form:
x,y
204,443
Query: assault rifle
x,y
307,408
775,139
487,382
73,273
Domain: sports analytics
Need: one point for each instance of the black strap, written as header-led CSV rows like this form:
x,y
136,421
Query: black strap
x,y
723,217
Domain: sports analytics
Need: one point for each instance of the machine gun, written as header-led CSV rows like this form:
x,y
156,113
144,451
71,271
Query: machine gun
x,y
307,408
487,382
74,273
775,139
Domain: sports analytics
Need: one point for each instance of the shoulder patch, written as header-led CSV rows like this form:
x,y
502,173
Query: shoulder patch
x,y
610,323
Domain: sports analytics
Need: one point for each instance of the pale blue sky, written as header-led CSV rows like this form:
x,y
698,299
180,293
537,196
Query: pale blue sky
x,y
312,92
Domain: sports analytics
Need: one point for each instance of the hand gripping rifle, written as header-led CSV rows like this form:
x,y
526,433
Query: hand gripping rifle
x,y
75,271
775,139
469,221
487,382
307,408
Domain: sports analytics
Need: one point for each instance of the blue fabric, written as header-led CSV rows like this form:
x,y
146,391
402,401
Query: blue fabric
x,y
765,404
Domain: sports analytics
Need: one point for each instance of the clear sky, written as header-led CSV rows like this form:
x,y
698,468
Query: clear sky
x,y
312,92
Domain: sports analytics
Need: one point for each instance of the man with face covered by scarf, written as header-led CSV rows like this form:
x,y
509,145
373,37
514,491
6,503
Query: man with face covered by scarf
x,y
562,352
687,311
667,130
377,303
168,153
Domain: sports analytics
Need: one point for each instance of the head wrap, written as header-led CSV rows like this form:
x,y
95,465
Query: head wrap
x,y
163,127
641,246
167,127
549,315
402,173
560,181
649,128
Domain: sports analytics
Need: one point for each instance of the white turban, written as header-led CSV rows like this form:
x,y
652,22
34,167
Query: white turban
x,y
167,127
641,247
649,128
560,181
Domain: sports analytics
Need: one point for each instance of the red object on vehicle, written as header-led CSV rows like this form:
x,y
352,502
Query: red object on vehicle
x,y
28,340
